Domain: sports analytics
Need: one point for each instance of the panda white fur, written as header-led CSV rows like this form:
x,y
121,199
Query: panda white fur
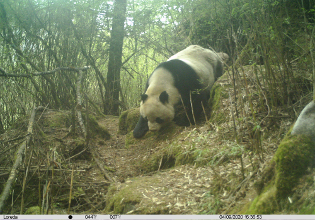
x,y
190,72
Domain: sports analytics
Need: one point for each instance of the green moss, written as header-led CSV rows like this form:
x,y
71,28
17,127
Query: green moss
x,y
181,151
64,119
124,198
35,210
109,168
216,95
267,175
128,120
130,140
294,155
122,201
122,122
196,156
96,129
162,159
151,138
308,207
266,202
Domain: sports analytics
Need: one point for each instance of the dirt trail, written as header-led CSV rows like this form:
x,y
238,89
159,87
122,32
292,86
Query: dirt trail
x,y
113,152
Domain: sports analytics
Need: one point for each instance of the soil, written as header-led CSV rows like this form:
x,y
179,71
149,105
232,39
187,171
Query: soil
x,y
113,152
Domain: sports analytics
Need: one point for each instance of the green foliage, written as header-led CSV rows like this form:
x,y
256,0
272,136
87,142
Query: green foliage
x,y
40,36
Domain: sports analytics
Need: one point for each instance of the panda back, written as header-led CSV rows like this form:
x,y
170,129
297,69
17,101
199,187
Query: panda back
x,y
205,62
185,77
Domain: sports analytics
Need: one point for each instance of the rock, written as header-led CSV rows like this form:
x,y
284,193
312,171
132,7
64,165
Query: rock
x,y
305,124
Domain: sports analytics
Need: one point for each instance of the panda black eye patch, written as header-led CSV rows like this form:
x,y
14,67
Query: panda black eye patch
x,y
159,120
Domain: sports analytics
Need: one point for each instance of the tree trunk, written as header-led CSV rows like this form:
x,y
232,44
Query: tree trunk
x,y
115,54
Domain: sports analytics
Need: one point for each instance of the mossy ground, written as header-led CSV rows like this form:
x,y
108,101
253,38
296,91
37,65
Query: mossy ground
x,y
216,95
128,120
295,154
96,129
124,200
292,160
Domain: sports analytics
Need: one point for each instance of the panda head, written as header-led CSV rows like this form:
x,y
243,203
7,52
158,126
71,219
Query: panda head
x,y
157,110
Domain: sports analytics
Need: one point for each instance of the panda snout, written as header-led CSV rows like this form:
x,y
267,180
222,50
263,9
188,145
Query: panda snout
x,y
154,126
154,129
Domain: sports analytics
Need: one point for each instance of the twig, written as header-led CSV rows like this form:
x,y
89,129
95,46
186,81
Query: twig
x,y
99,164
41,108
14,139
24,182
185,109
35,168
192,108
203,108
160,163
46,191
71,184
94,105
76,154
234,124
62,68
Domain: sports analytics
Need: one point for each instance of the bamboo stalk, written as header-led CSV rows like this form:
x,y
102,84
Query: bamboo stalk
x,y
185,110
24,182
79,104
71,184
192,108
204,111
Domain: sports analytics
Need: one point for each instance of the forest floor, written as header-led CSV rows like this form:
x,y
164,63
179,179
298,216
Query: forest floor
x,y
183,189
196,170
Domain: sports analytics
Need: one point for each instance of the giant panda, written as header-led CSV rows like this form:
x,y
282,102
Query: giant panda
x,y
186,76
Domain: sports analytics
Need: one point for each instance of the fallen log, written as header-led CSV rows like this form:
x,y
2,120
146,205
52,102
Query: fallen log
x,y
19,158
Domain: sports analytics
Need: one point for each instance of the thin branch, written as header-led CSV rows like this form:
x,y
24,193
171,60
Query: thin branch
x,y
76,69
128,58
61,68
101,166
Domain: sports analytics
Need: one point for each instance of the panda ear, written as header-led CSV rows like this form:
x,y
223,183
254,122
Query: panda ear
x,y
144,97
164,97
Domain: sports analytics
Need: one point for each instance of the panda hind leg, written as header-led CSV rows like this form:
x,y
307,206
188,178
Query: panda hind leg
x,y
197,114
201,107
